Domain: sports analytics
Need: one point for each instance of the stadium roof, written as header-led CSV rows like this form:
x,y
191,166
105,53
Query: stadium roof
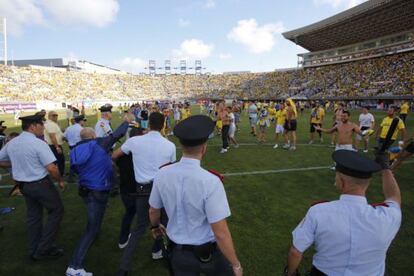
x,y
369,20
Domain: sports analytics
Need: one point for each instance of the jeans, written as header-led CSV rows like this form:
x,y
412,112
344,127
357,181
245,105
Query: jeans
x,y
142,206
225,136
130,211
38,195
96,204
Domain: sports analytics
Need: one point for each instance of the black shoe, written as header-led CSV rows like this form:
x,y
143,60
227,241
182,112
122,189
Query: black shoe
x,y
113,193
52,253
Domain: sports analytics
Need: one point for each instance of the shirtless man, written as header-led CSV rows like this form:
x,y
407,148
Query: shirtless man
x,y
290,125
337,118
345,130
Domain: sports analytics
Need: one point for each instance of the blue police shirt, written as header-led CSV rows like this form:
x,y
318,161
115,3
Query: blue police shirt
x,y
351,237
193,199
72,134
29,157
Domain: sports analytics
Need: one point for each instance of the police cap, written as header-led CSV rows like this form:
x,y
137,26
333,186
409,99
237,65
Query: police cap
x,y
194,130
32,119
80,118
353,164
106,108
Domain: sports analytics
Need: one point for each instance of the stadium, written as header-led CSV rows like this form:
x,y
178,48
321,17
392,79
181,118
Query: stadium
x,y
363,56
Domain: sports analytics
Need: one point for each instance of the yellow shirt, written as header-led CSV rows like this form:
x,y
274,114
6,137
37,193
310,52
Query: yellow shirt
x,y
281,117
320,114
404,108
185,113
52,127
386,123
271,112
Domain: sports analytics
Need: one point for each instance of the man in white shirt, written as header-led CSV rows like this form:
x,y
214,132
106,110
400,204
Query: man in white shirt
x,y
149,152
366,122
72,135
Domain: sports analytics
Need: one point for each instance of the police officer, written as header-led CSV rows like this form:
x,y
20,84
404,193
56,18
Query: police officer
x,y
196,204
351,237
103,127
32,161
149,153
72,135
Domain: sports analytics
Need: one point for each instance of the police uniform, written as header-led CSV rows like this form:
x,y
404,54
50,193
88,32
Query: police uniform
x,y
350,236
193,199
29,157
72,133
103,127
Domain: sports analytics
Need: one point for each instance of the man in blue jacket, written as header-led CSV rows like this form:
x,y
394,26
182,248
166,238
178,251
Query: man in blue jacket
x,y
91,161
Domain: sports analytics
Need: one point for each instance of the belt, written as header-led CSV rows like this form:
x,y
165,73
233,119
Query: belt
x,y
32,182
144,183
188,247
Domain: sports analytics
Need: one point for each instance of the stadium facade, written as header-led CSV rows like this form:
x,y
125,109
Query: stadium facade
x,y
371,29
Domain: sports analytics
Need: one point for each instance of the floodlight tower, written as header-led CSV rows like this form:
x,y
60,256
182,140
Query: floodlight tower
x,y
151,67
198,67
167,67
3,30
183,67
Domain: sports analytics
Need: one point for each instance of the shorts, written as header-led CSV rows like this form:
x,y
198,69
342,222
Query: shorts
x,y
279,129
344,147
232,131
359,137
312,127
410,147
253,120
292,126
144,124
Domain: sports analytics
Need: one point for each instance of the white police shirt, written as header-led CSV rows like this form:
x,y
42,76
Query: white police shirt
x,y
193,199
149,153
103,128
351,237
29,157
72,134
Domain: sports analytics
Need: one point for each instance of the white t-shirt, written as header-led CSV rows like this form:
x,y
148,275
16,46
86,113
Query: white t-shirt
x,y
366,120
149,153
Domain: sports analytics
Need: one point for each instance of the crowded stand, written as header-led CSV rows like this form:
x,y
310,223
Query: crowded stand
x,y
381,76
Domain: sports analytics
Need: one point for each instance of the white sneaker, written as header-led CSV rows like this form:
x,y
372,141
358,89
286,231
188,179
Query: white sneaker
x,y
77,272
321,140
236,146
292,148
365,151
275,146
223,151
123,245
157,255
310,142
286,146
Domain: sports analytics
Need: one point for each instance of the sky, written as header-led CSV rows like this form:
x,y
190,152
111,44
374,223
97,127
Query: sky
x,y
227,35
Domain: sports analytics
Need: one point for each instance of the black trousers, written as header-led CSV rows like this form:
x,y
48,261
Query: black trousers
x,y
403,117
186,263
60,159
225,136
41,195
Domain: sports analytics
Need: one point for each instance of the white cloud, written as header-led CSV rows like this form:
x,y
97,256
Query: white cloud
x,y
192,49
257,39
183,23
22,13
97,13
210,4
133,65
225,56
339,4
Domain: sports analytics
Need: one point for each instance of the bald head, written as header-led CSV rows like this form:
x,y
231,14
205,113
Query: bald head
x,y
87,133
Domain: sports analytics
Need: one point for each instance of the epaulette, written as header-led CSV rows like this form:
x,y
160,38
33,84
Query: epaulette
x,y
167,164
383,204
217,174
318,202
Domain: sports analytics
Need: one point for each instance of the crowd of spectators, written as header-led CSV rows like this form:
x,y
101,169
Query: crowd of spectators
x,y
382,76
